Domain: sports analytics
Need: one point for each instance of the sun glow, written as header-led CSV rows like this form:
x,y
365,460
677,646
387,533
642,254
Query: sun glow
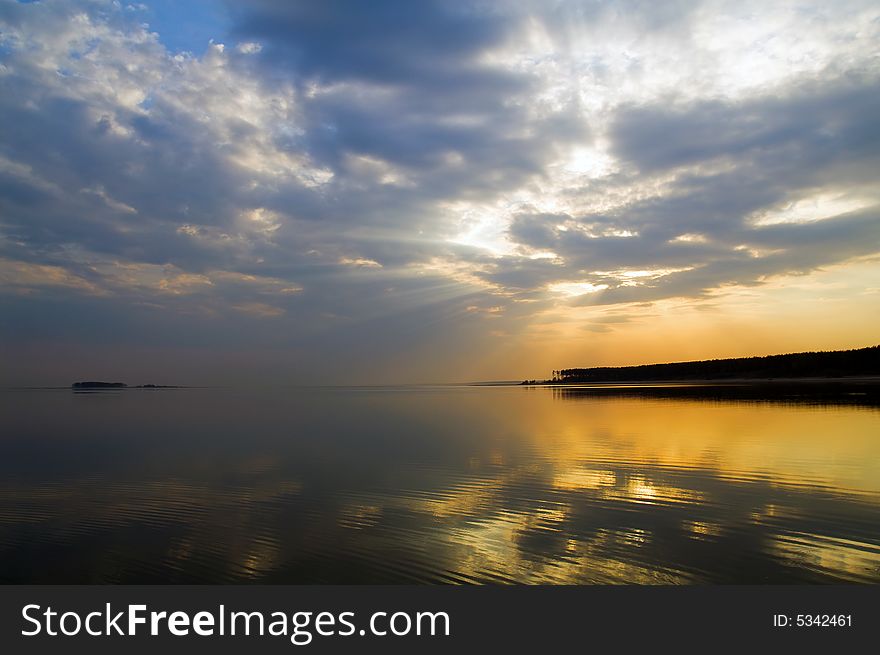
x,y
575,289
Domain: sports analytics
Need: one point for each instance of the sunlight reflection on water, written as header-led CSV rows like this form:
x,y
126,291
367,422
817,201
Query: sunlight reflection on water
x,y
441,484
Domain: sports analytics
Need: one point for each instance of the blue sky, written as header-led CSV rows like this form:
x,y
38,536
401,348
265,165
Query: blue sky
x,y
397,191
185,26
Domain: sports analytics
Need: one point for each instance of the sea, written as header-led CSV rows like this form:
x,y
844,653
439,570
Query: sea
x,y
439,484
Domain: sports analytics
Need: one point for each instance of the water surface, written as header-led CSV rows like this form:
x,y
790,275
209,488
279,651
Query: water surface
x,y
435,485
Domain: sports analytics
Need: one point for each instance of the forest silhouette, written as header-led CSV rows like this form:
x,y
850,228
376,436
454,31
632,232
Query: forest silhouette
x,y
861,362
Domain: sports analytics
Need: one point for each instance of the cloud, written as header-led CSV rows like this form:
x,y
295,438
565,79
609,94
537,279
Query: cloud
x,y
824,120
392,41
330,168
717,170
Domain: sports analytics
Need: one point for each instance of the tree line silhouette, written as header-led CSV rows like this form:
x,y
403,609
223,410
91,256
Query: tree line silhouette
x,y
832,364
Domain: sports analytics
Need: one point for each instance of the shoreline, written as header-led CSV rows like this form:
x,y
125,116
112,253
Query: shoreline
x,y
708,382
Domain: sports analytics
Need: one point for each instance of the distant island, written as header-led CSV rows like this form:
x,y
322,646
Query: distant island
x,y
93,384
862,362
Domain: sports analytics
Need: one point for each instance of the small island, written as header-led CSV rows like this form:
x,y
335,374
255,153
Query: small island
x,y
93,384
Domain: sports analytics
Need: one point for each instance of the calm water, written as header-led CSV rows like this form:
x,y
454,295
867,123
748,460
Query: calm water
x,y
435,485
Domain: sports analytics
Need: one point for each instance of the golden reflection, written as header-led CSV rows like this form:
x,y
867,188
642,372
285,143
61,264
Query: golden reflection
x,y
852,561
637,488
702,529
717,461
359,516
818,446
538,489
260,557
584,478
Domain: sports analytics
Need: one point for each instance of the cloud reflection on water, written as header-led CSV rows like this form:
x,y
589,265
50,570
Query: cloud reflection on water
x,y
436,485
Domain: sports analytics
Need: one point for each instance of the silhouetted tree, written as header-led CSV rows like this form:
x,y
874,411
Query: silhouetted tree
x,y
840,363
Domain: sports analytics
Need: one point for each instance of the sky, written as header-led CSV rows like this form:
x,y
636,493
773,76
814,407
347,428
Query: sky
x,y
392,191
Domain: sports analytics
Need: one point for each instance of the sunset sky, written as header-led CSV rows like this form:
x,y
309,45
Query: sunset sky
x,y
338,191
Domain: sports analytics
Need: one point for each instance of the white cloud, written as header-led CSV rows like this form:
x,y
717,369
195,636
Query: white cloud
x,y
813,208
